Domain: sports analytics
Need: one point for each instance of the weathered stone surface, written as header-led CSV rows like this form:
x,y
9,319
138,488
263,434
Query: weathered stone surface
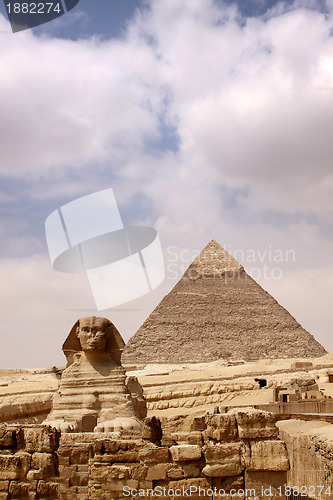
x,y
193,487
267,456
222,304
93,394
80,453
136,392
43,466
220,427
183,452
191,437
23,490
175,471
152,430
4,485
120,471
154,455
7,437
199,424
229,488
255,424
222,451
266,484
14,466
41,438
157,472
18,407
47,489
182,470
222,460
232,468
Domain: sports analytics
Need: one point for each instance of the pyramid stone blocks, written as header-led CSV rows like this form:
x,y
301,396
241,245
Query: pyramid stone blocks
x,y
217,311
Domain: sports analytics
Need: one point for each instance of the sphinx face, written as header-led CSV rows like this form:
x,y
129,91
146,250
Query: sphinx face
x,y
92,334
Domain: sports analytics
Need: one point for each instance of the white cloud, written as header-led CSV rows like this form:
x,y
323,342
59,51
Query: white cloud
x,y
251,103
68,103
38,311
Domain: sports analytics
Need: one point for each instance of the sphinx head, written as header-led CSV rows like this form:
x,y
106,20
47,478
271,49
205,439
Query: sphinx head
x,y
92,333
94,336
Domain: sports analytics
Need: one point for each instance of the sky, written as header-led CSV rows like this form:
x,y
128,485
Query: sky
x,y
208,119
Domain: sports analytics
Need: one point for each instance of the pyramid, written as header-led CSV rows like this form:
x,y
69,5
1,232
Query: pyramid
x,y
217,311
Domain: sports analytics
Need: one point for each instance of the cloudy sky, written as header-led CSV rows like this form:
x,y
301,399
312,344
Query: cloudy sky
x,y
209,119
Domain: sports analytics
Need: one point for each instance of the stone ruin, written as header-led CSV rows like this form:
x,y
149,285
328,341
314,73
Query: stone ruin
x,y
97,444
234,455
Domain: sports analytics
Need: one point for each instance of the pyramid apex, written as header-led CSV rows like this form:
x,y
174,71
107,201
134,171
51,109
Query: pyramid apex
x,y
213,260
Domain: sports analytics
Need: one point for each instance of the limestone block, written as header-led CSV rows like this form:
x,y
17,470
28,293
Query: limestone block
x,y
267,456
186,438
192,488
229,488
168,440
7,437
184,470
82,493
80,453
221,427
154,455
119,471
185,452
222,460
79,479
176,472
266,484
3,495
117,485
117,451
221,451
23,490
255,424
14,466
231,468
157,472
4,485
194,437
47,490
41,438
66,472
139,471
43,465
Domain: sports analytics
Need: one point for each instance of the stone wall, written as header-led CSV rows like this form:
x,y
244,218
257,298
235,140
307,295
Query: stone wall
x,y
227,453
310,451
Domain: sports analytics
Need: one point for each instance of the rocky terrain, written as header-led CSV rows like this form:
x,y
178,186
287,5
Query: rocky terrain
x,y
172,389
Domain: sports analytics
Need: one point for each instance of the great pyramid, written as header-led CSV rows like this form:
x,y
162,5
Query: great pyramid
x,y
215,311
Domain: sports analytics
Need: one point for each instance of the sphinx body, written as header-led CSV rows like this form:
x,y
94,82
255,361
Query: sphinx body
x,y
93,394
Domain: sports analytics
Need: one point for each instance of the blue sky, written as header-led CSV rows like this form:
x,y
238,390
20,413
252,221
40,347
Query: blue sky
x,y
208,119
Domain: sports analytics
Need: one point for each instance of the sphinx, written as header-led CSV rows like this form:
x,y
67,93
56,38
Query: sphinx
x,y
94,394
